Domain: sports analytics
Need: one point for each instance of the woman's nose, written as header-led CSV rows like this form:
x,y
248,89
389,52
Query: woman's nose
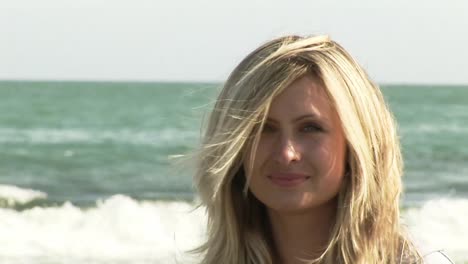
x,y
287,152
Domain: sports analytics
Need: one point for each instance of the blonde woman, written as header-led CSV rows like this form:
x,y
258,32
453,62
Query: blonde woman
x,y
300,162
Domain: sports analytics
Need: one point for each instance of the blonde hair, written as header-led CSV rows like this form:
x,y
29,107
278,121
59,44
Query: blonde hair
x,y
367,227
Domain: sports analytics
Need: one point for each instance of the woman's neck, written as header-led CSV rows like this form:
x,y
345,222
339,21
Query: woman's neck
x,y
302,235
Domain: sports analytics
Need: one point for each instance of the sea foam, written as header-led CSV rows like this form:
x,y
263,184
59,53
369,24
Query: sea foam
x,y
86,136
441,224
12,195
120,229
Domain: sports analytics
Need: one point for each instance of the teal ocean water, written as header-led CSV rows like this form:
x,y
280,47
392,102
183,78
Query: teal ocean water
x,y
85,175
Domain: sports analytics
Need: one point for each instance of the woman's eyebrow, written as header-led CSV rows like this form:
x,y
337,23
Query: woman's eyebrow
x,y
297,119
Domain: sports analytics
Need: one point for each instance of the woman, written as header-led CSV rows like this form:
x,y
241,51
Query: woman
x,y
300,162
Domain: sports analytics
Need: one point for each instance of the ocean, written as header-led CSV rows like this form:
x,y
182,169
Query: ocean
x,y
86,174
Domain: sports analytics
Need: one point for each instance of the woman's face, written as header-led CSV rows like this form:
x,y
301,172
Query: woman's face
x,y
300,160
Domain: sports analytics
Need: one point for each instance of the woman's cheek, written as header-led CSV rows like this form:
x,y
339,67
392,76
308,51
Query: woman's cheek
x,y
263,148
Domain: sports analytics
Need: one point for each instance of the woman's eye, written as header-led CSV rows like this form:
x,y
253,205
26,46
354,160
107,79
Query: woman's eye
x,y
268,128
311,128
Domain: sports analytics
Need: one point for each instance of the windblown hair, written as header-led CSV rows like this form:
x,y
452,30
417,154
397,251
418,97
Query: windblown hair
x,y
367,228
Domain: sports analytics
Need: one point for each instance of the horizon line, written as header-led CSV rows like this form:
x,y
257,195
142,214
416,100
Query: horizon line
x,y
401,83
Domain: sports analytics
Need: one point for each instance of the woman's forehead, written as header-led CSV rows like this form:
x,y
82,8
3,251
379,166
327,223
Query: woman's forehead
x,y
303,96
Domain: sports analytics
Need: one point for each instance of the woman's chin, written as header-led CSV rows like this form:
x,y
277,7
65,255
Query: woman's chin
x,y
298,204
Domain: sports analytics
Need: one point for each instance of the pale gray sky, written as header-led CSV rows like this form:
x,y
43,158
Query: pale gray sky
x,y
418,41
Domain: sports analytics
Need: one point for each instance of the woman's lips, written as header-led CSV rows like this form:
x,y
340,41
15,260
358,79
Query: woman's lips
x,y
288,179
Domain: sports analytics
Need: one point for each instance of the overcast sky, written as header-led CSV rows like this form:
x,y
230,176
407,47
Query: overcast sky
x,y
418,41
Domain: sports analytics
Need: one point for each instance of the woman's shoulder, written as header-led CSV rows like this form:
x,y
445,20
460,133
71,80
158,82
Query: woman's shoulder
x,y
437,257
